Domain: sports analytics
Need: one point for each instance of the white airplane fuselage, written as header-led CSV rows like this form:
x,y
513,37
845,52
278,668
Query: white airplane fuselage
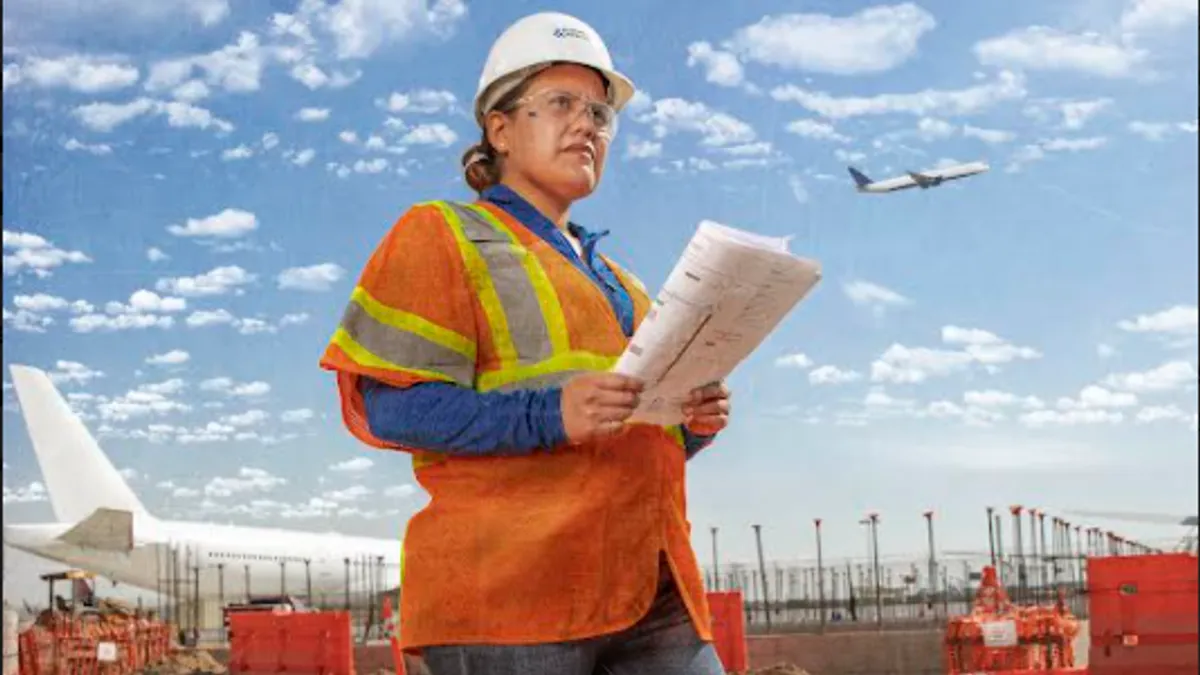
x,y
922,179
102,527
233,561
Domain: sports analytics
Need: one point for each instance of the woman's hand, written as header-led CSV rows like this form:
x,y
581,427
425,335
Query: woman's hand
x,y
706,411
596,405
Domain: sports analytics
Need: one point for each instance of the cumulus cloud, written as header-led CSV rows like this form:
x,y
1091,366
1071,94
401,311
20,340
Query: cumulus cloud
x,y
319,277
217,281
873,296
229,223
25,251
1007,86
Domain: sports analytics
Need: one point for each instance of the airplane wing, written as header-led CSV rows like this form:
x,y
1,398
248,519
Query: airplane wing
x,y
105,529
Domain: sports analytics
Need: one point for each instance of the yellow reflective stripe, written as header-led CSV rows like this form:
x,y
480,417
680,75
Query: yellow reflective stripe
x,y
412,323
557,363
675,431
482,281
552,313
364,357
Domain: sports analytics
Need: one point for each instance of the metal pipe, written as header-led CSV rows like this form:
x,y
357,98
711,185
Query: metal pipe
x,y
874,518
716,564
1035,558
991,540
932,554
1000,569
1045,573
820,575
1019,552
762,571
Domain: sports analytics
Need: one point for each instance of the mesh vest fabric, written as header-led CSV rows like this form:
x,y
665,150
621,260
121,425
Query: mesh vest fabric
x,y
564,543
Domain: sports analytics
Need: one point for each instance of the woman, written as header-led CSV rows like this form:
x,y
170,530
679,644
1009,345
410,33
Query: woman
x,y
479,339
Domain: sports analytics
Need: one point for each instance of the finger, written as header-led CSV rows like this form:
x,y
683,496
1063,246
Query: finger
x,y
610,398
618,382
714,407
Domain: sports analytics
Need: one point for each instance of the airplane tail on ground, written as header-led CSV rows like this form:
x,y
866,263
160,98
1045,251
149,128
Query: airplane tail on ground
x,y
859,177
79,477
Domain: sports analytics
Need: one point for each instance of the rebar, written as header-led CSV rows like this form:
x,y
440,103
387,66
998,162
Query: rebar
x,y
762,571
820,576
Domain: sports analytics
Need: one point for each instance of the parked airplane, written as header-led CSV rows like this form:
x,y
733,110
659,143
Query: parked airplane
x,y
922,179
103,527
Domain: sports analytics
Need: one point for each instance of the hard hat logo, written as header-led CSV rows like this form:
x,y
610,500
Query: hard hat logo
x,y
570,33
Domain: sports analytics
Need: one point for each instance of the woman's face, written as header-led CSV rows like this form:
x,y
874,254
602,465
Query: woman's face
x,y
557,138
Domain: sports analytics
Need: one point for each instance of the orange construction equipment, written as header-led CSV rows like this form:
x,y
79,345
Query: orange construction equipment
x,y
92,644
1144,614
313,642
999,636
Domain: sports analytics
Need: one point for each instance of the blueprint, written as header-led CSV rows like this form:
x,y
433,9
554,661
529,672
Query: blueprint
x,y
727,292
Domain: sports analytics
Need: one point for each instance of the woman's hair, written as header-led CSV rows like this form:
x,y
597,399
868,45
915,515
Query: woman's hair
x,y
481,163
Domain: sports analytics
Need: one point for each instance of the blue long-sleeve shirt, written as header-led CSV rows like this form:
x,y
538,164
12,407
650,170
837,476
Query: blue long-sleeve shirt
x,y
445,417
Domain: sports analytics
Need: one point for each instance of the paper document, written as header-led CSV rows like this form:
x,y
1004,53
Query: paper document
x,y
728,291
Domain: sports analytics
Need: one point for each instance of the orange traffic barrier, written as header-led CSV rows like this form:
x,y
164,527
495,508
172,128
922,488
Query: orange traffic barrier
x,y
306,642
1144,614
998,636
729,629
61,645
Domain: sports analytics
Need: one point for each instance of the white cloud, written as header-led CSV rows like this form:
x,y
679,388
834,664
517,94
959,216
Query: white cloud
x,y
1105,351
1073,417
104,117
911,365
1008,86
300,158
28,251
1150,131
675,115
1070,114
832,375
1177,320
353,465
1050,49
1170,376
89,323
312,114
1144,16
877,298
78,72
435,134
236,67
217,281
1094,397
296,416
721,68
319,277
1151,414
247,480
73,372
155,254
992,398
242,151
361,27
873,40
228,387
75,145
994,136
376,165
174,357
797,360
816,130
640,149
799,190
32,493
421,101
228,224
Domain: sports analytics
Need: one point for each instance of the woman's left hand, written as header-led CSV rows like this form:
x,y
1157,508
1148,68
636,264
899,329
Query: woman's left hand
x,y
706,411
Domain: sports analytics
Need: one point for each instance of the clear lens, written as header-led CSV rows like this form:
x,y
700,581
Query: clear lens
x,y
566,107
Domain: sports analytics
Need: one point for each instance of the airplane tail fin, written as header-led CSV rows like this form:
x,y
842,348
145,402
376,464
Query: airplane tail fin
x,y
79,477
859,177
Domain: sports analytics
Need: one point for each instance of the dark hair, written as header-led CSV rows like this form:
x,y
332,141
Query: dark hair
x,y
482,165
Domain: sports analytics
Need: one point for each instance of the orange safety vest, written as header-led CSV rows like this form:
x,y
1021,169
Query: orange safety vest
x,y
562,544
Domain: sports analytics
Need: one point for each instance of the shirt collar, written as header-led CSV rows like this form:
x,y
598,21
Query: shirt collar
x,y
530,217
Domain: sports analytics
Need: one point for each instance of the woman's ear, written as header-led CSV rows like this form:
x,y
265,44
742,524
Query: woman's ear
x,y
499,132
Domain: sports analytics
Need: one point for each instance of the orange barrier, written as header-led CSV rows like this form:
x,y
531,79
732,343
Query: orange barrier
x,y
89,646
1144,614
391,630
729,629
998,636
306,642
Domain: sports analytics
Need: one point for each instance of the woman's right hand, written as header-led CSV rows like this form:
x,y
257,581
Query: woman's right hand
x,y
596,405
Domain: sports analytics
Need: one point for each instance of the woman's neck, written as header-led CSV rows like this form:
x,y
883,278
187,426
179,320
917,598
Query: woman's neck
x,y
552,208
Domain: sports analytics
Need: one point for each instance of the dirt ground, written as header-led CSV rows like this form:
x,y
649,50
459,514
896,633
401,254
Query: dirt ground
x,y
189,662
781,669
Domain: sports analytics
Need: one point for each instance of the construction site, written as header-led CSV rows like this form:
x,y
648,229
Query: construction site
x,y
1050,596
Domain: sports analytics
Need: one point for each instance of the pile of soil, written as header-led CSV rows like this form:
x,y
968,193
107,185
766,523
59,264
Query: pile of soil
x,y
189,662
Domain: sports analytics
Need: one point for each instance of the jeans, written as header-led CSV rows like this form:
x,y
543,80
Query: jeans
x,y
663,642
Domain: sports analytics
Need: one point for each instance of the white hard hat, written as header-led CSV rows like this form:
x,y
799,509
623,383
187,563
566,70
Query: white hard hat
x,y
538,41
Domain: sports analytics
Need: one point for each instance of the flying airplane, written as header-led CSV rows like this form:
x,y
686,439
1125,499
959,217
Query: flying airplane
x,y
102,526
922,179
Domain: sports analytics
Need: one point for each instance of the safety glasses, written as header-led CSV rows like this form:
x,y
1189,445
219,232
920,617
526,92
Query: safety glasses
x,y
564,107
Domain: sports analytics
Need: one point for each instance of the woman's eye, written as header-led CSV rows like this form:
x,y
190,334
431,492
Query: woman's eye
x,y
561,101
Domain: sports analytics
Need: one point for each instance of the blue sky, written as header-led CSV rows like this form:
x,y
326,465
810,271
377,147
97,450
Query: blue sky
x,y
191,187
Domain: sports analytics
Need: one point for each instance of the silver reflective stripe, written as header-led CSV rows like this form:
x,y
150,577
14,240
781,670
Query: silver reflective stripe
x,y
539,381
505,263
405,349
